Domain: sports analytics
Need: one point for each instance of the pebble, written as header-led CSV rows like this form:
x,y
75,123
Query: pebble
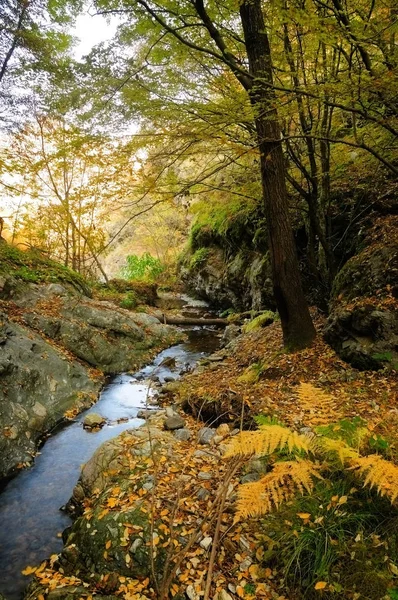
x,y
174,422
206,543
206,435
191,594
245,564
204,475
203,494
183,435
223,430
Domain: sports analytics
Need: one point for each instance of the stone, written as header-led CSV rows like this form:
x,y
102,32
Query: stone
x,y
206,543
183,435
223,430
231,332
206,435
203,494
250,477
175,422
191,593
170,411
205,476
223,595
145,413
217,439
93,421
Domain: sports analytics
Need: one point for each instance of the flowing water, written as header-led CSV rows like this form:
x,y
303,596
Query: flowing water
x,y
30,520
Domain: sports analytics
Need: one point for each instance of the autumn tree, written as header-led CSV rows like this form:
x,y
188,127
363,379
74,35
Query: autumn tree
x,y
207,31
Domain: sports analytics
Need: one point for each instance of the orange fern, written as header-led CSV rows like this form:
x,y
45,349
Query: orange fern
x,y
278,486
266,440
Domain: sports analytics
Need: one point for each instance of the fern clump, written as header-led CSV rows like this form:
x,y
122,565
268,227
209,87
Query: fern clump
x,y
277,487
267,440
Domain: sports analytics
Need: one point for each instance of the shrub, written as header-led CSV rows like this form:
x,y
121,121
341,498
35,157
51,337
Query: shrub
x,y
142,267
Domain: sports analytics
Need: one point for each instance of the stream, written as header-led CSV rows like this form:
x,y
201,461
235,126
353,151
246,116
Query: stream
x,y
31,521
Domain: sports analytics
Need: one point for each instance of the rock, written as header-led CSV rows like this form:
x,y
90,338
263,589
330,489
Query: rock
x,y
203,494
169,362
93,421
217,439
231,332
223,595
205,476
245,564
241,280
170,411
206,543
223,430
145,413
206,435
191,593
363,324
38,385
250,477
183,435
175,422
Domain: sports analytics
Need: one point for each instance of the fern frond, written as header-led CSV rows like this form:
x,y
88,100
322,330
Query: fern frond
x,y
266,440
319,406
286,478
327,446
379,473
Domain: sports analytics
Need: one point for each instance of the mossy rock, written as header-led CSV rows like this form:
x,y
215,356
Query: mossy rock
x,y
33,266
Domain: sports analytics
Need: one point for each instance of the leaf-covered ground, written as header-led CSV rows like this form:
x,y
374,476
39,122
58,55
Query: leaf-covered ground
x,y
192,505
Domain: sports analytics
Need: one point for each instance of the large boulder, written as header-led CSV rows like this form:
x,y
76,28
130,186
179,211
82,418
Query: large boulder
x,y
105,336
38,384
363,322
241,281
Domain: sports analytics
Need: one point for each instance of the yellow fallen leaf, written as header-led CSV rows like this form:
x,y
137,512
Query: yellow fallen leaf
x,y
108,544
320,585
342,500
304,516
29,570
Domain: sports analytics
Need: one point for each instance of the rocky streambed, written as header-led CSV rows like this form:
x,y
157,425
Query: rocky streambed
x,y
29,504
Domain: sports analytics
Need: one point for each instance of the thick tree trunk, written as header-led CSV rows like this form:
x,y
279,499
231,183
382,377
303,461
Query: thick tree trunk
x,y
297,327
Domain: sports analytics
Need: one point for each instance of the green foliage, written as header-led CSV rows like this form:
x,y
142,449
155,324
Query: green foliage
x,y
129,301
145,267
226,223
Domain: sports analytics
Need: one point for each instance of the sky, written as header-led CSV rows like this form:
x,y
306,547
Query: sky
x,y
91,30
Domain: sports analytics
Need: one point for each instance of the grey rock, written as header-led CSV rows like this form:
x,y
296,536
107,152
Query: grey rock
x,y
231,332
206,543
183,435
203,494
205,476
175,422
250,477
206,435
38,384
144,413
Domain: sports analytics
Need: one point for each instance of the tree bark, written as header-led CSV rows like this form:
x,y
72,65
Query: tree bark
x,y
298,329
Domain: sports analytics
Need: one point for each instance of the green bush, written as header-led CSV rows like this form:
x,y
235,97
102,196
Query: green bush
x,y
145,267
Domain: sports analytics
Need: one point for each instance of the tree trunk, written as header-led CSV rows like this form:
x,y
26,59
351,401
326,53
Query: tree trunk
x,y
297,327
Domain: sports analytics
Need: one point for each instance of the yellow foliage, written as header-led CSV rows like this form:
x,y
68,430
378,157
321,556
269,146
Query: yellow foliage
x,y
286,478
326,445
379,473
320,407
266,440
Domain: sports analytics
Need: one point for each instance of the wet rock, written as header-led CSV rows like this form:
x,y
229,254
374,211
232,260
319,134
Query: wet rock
x,y
183,435
93,421
206,435
144,413
169,362
175,422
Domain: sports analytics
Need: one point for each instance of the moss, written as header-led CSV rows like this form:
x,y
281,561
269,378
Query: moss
x,y
266,318
31,266
198,258
226,224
